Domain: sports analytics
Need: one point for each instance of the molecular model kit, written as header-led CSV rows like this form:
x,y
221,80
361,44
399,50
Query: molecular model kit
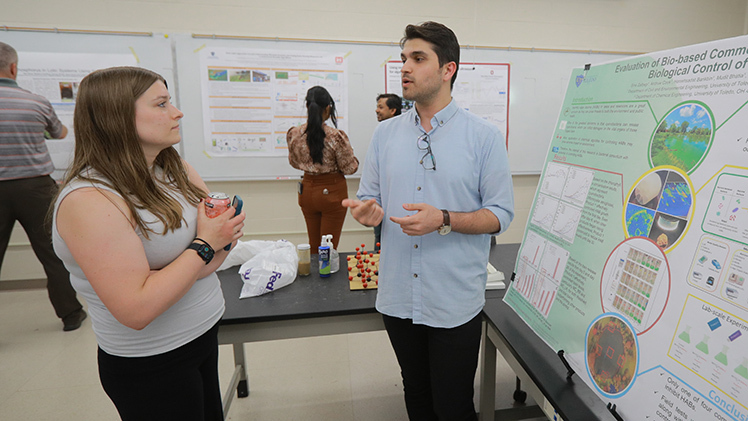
x,y
363,269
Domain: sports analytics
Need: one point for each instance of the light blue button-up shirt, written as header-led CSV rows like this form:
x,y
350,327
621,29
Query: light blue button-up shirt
x,y
436,280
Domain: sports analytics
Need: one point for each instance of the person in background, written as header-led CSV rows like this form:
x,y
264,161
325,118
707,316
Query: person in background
x,y
441,175
388,106
325,155
130,225
26,187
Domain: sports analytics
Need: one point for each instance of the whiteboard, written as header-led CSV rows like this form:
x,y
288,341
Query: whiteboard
x,y
69,56
538,81
365,82
150,51
76,54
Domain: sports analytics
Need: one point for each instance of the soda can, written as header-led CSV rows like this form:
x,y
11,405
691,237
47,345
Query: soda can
x,y
216,204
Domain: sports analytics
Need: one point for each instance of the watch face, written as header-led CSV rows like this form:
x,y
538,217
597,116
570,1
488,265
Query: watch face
x,y
204,251
445,229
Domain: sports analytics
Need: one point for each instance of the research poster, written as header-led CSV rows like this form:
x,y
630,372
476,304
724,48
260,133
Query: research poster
x,y
251,97
635,256
56,76
481,88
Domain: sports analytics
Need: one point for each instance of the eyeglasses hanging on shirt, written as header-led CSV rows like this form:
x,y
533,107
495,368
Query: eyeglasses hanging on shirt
x,y
427,160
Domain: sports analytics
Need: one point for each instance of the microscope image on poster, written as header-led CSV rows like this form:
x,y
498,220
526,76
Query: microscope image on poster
x,y
659,207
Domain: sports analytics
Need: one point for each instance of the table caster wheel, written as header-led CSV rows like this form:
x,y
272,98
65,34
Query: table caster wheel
x,y
520,396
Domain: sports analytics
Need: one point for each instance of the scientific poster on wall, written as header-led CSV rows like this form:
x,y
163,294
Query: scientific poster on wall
x,y
481,88
56,76
252,97
635,255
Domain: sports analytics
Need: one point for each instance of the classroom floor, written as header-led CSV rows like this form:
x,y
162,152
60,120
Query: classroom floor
x,y
48,374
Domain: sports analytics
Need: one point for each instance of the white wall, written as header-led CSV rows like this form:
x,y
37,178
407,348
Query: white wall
x,y
623,25
609,25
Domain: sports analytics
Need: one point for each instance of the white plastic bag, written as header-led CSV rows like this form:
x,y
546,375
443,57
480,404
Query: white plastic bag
x,y
245,250
271,268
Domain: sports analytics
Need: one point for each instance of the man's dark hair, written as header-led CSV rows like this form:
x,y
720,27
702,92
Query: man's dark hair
x,y
442,40
393,102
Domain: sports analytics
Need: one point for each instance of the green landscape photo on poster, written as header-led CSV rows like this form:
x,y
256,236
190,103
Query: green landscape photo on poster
x,y
683,137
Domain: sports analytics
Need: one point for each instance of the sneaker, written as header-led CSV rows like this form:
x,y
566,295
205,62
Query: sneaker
x,y
74,320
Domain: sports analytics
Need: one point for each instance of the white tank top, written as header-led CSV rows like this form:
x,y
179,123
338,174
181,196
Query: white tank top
x,y
194,314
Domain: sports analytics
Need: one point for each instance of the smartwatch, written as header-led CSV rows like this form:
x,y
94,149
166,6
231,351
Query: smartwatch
x,y
205,251
446,228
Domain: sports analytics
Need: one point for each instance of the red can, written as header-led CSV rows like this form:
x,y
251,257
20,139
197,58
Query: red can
x,y
216,204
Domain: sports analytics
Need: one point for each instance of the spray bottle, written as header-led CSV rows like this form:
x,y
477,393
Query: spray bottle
x,y
334,256
324,256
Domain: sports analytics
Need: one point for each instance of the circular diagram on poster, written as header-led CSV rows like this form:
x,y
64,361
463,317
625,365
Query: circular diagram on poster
x,y
683,137
635,283
659,206
612,355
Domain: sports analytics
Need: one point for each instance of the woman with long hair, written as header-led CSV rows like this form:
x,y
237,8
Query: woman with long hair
x,y
325,155
129,223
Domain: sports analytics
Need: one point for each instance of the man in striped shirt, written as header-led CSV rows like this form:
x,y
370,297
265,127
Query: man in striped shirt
x,y
26,188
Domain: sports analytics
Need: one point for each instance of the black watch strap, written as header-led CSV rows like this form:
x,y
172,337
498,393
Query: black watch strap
x,y
205,251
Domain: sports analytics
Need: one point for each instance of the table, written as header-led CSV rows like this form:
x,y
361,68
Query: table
x,y
537,367
310,306
314,306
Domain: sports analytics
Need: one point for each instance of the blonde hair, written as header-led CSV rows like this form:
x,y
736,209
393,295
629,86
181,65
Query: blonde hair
x,y
107,142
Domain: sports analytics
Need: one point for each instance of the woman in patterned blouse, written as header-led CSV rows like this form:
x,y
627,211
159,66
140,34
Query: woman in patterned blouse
x,y
325,155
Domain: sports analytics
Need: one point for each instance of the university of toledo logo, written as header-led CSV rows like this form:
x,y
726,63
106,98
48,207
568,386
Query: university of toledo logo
x,y
580,79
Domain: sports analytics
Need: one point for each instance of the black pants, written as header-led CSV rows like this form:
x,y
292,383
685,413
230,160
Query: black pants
x,y
180,385
438,368
27,200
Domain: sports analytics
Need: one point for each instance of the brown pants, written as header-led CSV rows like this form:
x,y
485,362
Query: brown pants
x,y
320,199
27,201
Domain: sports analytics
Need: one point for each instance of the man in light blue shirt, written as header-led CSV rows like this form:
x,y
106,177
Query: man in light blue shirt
x,y
439,178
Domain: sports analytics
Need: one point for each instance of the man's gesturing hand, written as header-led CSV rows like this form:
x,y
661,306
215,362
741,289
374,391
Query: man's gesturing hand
x,y
368,212
426,219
